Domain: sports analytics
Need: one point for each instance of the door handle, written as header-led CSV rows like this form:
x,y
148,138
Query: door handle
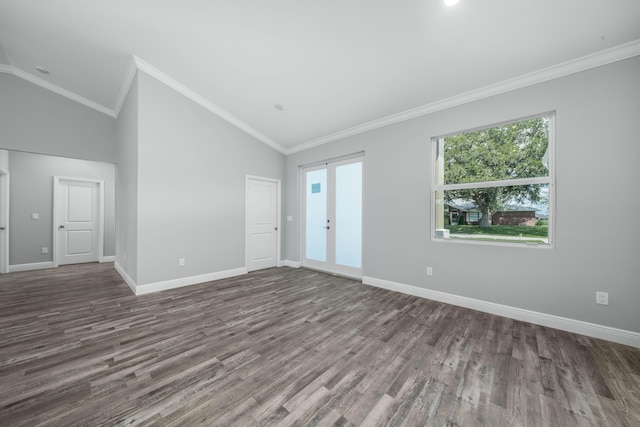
x,y
327,227
61,227
1,228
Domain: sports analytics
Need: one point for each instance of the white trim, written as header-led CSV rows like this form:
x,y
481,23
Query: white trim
x,y
108,258
584,63
127,279
205,103
551,201
30,266
292,264
187,281
56,184
246,218
488,184
617,53
9,69
597,59
570,325
357,155
127,81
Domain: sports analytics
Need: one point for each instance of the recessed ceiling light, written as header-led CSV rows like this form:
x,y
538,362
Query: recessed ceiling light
x,y
278,107
451,2
42,70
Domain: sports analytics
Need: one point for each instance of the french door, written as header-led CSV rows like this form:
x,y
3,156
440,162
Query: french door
x,y
332,217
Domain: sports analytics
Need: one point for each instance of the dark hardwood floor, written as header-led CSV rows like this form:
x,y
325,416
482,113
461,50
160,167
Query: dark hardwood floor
x,y
290,347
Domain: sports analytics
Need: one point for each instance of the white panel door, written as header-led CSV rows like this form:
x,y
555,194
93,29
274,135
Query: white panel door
x,y
262,224
78,220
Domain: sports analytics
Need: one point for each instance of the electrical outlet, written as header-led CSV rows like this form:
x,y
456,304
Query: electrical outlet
x,y
181,262
602,298
45,250
429,271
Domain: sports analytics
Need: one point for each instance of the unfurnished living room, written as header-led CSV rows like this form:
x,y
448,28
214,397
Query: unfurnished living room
x,y
332,213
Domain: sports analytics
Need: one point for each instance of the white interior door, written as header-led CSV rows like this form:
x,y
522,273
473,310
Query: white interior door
x,y
262,223
78,220
332,228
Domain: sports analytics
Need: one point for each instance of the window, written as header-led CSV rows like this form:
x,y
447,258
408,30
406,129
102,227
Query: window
x,y
495,184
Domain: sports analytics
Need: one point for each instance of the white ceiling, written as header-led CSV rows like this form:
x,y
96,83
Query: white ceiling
x,y
333,64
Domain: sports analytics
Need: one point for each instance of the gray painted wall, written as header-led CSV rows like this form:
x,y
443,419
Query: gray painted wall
x,y
597,245
127,184
31,191
37,120
4,160
191,185
3,57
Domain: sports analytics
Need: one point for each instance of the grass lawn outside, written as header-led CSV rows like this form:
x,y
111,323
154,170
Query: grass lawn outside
x,y
511,233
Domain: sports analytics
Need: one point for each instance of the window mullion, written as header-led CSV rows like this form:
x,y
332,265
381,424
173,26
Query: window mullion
x,y
487,184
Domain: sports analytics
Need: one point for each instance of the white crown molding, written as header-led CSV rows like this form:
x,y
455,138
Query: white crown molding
x,y
127,81
9,69
571,325
597,59
584,63
203,102
138,64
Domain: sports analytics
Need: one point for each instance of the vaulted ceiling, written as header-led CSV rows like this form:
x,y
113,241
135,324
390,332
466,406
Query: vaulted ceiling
x,y
302,72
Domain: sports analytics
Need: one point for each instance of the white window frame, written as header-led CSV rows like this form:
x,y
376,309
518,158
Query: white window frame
x,y
550,180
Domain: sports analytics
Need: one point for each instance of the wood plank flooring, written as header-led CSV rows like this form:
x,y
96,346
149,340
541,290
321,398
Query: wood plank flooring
x,y
287,347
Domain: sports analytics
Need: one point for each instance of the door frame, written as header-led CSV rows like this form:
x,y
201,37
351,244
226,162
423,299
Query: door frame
x,y
247,249
56,196
350,272
4,221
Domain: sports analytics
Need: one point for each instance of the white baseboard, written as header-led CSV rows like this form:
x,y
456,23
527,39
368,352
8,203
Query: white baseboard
x,y
620,336
110,258
292,264
186,281
128,280
30,266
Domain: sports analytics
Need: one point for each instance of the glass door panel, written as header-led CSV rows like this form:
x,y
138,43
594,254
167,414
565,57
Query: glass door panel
x,y
348,232
316,215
